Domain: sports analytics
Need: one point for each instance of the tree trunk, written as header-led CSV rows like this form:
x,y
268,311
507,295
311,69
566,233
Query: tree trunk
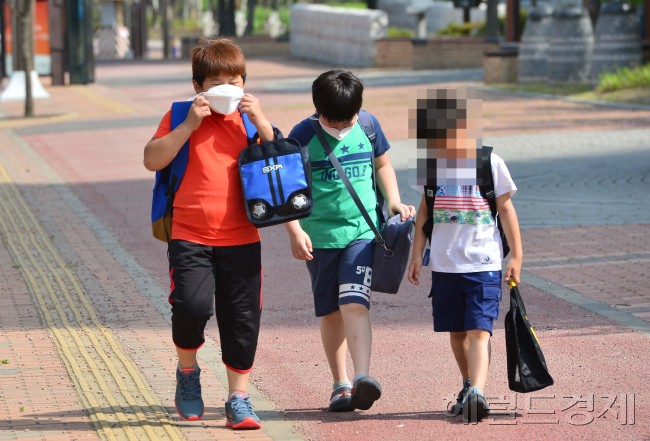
x,y
492,18
227,18
250,16
25,50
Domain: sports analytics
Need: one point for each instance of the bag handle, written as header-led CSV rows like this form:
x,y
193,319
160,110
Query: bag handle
x,y
355,197
515,297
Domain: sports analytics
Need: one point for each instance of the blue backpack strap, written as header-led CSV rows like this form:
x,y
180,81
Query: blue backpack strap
x,y
251,130
180,110
365,120
368,126
168,179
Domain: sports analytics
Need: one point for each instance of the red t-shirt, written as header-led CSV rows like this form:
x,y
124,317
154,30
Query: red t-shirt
x,y
209,204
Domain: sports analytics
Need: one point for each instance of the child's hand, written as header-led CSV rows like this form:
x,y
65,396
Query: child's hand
x,y
405,211
513,270
250,105
414,270
199,110
301,245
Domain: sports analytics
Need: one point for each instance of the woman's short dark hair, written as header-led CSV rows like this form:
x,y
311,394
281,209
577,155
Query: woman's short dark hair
x,y
337,95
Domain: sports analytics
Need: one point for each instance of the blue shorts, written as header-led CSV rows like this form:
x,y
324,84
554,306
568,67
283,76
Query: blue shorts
x,y
463,302
341,275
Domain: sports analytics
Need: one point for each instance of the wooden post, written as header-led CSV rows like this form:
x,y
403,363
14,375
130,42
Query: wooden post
x,y
513,31
56,15
646,32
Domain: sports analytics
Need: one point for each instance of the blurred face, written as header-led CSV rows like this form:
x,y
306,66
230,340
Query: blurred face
x,y
459,143
218,80
446,125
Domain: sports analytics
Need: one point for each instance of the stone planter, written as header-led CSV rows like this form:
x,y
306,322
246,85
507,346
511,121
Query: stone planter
x,y
449,52
394,52
262,46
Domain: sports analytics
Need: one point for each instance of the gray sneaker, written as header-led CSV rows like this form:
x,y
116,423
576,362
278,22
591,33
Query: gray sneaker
x,y
189,403
365,392
457,408
475,407
240,414
340,400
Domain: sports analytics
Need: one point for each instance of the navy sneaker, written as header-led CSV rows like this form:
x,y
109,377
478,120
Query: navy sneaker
x,y
365,392
189,403
340,400
239,413
475,406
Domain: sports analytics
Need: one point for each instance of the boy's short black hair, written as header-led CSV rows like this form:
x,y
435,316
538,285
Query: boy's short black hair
x,y
337,95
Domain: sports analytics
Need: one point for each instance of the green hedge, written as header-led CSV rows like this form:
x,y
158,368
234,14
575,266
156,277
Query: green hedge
x,y
625,79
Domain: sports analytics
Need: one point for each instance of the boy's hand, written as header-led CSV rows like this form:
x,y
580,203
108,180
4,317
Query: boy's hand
x,y
250,105
513,270
414,270
404,210
199,110
301,245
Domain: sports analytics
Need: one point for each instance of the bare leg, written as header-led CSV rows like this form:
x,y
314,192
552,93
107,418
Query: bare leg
x,y
479,357
237,382
332,334
186,357
358,334
460,347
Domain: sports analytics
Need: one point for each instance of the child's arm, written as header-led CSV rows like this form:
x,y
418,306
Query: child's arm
x,y
159,152
251,105
387,182
419,242
300,242
508,217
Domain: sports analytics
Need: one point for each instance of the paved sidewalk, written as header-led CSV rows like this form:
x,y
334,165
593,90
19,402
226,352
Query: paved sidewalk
x,y
85,340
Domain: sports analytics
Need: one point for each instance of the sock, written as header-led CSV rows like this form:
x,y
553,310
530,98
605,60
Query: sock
x,y
236,392
358,377
467,383
179,367
338,384
478,391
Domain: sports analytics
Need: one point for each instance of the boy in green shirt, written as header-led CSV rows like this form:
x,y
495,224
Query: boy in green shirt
x,y
335,240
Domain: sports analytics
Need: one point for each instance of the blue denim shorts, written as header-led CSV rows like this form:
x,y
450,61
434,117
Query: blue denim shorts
x,y
341,275
464,302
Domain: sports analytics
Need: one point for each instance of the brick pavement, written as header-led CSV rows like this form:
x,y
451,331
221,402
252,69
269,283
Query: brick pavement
x,y
77,168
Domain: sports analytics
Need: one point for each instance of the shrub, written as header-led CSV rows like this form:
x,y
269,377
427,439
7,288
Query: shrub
x,y
460,29
394,32
625,78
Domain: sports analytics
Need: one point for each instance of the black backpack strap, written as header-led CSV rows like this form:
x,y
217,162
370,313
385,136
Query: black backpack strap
x,y
486,185
430,199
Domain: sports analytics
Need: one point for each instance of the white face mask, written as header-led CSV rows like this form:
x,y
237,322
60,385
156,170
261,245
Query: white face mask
x,y
224,99
336,133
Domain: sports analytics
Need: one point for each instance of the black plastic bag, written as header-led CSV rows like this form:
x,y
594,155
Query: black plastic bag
x,y
527,371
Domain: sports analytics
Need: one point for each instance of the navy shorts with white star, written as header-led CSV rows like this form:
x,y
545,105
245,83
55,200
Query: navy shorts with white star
x,y
341,275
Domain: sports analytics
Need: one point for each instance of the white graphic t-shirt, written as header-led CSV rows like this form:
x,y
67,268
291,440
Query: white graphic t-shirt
x,y
465,238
